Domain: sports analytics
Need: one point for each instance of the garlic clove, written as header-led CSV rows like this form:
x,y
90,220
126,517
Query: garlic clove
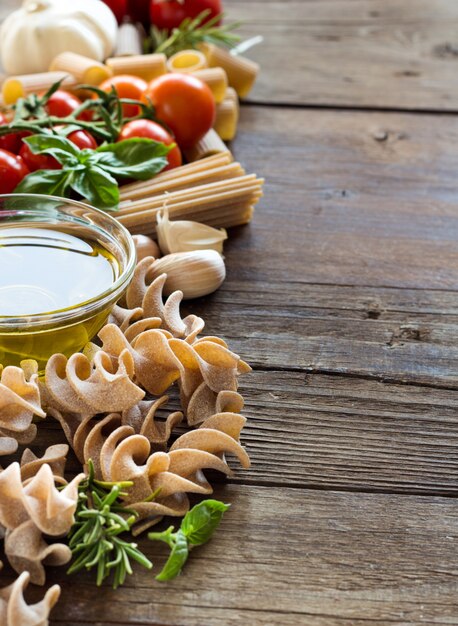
x,y
145,246
185,236
196,273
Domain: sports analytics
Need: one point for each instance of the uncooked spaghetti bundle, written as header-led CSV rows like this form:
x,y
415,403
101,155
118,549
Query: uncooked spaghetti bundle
x,y
214,191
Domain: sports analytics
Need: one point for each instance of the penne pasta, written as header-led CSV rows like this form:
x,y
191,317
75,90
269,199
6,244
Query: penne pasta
x,y
231,94
146,66
187,61
227,118
216,79
241,72
129,41
15,87
210,144
84,69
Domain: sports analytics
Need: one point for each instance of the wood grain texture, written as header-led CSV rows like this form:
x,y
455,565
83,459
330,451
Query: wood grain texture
x,y
294,557
336,432
343,207
397,335
354,53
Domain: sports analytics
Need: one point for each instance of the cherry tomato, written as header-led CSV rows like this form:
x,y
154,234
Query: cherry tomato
x,y
169,14
185,104
82,139
12,171
139,11
63,103
151,130
119,8
38,161
127,87
12,141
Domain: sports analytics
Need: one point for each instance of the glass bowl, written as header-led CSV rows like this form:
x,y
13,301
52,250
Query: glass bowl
x,y
65,330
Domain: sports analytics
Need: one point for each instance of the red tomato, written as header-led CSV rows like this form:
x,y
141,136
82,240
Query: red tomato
x,y
139,11
169,14
82,139
63,103
38,161
12,171
185,104
119,8
127,87
11,142
151,130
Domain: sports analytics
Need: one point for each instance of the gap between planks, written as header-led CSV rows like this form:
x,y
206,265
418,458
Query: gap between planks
x,y
342,107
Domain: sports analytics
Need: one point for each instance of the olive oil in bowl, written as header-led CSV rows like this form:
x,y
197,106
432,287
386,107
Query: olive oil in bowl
x,y
59,279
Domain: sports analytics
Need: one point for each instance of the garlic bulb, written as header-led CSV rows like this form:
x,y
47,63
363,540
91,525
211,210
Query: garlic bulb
x,y
196,273
33,35
184,236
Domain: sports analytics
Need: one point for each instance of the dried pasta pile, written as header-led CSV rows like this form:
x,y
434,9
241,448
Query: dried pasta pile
x,y
106,400
214,190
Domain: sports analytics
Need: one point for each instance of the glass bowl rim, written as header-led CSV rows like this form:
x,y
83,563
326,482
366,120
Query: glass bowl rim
x,y
83,309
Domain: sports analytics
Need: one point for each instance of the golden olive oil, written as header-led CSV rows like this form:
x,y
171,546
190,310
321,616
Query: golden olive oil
x,y
42,273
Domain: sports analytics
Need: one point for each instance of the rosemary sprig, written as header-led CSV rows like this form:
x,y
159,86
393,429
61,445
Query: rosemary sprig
x,y
94,538
193,32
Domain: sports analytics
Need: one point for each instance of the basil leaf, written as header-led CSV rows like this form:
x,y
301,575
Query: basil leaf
x,y
201,521
97,187
59,147
49,182
177,558
41,143
138,158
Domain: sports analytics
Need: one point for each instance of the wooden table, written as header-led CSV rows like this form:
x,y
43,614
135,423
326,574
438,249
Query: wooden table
x,y
342,294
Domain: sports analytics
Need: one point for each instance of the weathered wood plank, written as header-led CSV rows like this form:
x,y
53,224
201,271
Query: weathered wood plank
x,y
290,556
354,53
343,207
335,432
388,334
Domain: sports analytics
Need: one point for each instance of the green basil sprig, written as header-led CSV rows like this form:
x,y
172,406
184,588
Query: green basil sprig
x,y
197,527
93,174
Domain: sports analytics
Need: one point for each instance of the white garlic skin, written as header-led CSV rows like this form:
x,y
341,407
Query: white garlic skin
x,y
145,246
32,36
196,274
185,235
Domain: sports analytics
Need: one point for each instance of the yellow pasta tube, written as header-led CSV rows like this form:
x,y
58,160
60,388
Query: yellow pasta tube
x,y
84,69
227,118
146,66
187,61
216,79
241,72
210,144
129,40
16,87
231,94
